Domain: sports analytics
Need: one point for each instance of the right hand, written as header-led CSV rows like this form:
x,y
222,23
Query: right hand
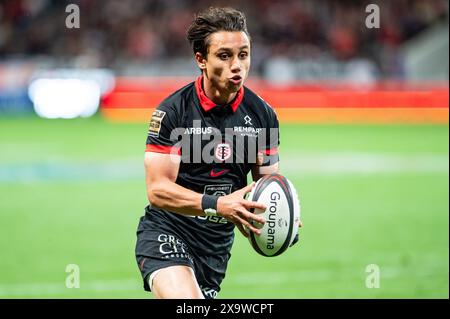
x,y
235,209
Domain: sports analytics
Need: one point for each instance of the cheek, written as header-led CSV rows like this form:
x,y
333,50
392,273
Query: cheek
x,y
216,69
247,65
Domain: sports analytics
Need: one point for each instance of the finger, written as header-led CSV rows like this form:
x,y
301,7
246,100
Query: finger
x,y
248,225
249,204
253,229
245,214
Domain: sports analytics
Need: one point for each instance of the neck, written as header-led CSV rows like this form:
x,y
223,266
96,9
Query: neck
x,y
215,95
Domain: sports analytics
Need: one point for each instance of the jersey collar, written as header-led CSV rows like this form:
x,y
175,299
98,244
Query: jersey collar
x,y
207,104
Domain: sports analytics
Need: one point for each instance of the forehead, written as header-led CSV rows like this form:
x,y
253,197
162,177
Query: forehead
x,y
228,39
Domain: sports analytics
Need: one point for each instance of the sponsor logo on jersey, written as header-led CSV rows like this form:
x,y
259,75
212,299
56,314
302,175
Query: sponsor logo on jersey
x,y
209,292
247,130
218,190
155,123
172,247
223,151
217,173
198,130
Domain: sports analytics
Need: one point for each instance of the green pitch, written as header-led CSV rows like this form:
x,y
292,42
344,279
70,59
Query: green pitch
x,y
71,192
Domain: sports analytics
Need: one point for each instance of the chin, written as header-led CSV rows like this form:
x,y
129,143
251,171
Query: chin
x,y
233,88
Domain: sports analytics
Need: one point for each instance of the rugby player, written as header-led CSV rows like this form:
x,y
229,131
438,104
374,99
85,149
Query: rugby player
x,y
185,237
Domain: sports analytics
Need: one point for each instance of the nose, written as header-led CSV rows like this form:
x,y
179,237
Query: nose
x,y
236,65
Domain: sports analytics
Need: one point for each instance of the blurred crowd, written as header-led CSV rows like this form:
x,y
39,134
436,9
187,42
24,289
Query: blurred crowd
x,y
150,30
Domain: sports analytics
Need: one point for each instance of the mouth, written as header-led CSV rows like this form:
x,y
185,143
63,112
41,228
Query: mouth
x,y
236,79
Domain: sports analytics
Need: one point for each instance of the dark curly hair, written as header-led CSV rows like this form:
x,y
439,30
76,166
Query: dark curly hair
x,y
214,20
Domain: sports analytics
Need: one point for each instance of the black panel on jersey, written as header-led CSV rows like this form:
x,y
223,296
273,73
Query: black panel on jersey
x,y
185,118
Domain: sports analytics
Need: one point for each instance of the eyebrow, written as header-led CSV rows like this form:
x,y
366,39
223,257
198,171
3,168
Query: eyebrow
x,y
229,49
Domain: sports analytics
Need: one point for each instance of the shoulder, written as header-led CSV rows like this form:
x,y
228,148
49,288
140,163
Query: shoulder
x,y
258,104
175,102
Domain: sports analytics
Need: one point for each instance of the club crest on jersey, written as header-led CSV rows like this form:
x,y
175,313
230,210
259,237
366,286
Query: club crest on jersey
x,y
155,123
223,151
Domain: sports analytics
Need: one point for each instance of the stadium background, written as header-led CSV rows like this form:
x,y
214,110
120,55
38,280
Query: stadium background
x,y
364,138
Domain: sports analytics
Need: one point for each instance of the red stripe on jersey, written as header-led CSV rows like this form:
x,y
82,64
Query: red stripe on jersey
x,y
163,149
207,104
272,151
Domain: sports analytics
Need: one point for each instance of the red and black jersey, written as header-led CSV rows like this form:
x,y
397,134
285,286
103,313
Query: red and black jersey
x,y
218,145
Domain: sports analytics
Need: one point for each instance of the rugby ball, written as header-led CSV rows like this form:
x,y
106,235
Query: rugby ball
x,y
282,215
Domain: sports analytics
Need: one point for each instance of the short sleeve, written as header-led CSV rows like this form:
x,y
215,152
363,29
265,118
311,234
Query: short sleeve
x,y
162,132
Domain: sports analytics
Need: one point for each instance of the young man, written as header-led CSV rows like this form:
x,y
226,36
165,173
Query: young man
x,y
185,237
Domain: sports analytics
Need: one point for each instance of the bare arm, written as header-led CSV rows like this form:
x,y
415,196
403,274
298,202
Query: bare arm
x,y
162,191
161,172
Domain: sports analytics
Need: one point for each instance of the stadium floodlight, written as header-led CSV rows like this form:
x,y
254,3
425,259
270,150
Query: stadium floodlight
x,y
64,98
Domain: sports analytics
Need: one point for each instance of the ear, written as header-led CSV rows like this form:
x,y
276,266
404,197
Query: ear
x,y
201,61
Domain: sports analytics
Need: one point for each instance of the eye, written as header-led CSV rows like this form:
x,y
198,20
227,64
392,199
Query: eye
x,y
243,55
223,56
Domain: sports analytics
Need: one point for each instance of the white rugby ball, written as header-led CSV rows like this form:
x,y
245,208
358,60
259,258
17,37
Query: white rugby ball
x,y
282,215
